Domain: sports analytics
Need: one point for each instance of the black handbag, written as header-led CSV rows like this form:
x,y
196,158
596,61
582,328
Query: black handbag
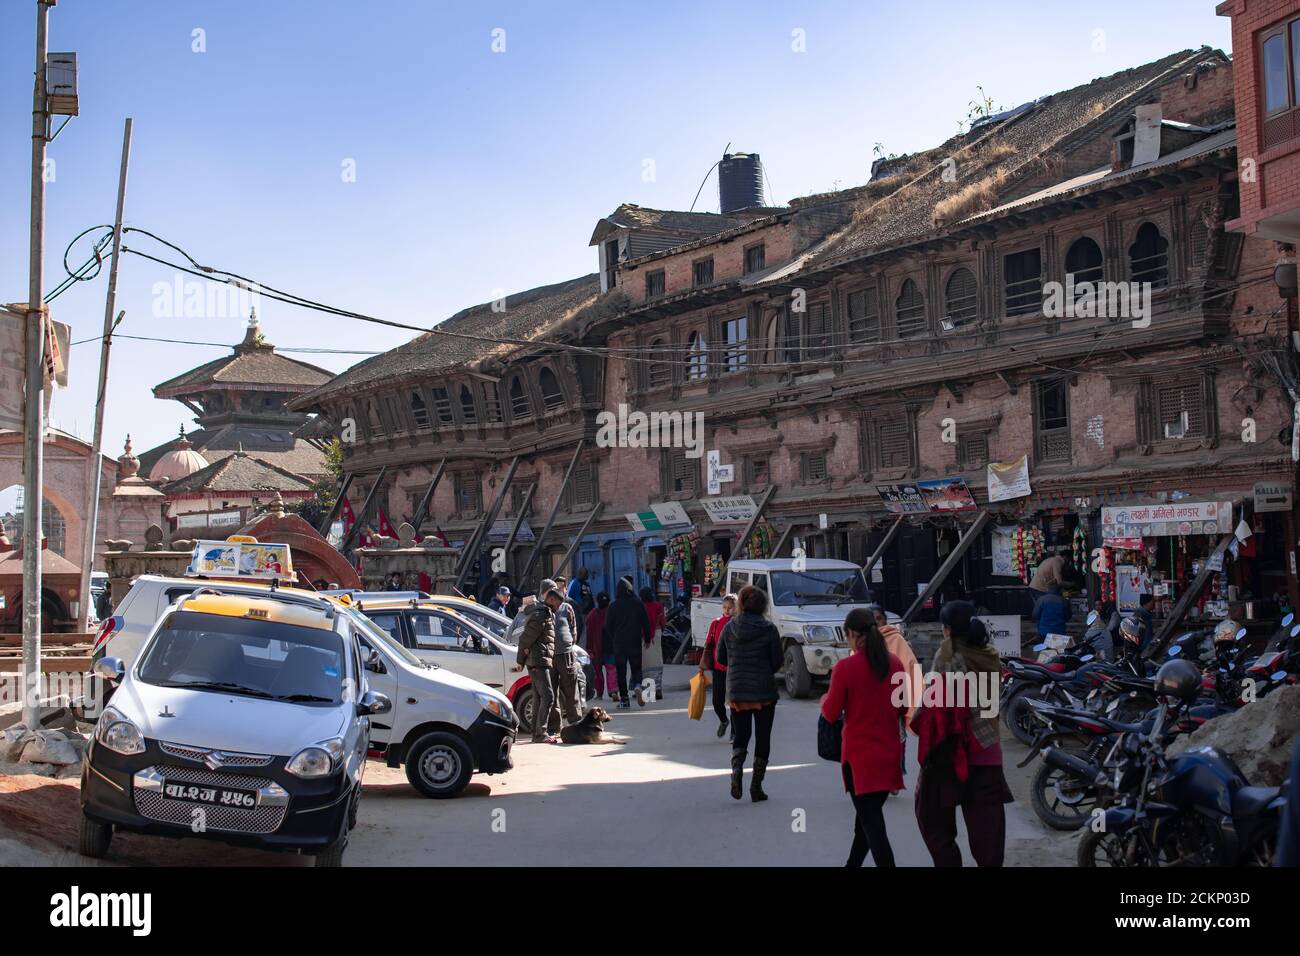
x,y
828,738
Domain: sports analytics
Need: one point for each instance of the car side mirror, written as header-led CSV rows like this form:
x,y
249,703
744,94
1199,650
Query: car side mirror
x,y
373,703
110,668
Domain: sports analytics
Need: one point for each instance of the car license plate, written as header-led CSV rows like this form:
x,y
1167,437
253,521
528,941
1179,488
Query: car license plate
x,y
214,796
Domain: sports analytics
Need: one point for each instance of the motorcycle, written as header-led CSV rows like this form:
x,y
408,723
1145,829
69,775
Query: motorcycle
x,y
677,631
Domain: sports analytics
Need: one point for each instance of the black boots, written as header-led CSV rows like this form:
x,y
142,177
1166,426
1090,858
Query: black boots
x,y
723,726
756,781
737,771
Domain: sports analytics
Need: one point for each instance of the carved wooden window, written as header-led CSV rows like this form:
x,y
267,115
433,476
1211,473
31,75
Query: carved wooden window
x,y
552,396
735,333
679,474
757,470
887,443
654,284
973,449
468,410
1149,257
864,316
660,373
909,311
1052,440
469,493
697,358
582,493
419,412
1022,285
1083,260
442,406
961,297
818,332
521,405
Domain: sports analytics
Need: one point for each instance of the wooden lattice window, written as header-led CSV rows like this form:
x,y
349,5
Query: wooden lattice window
x,y
702,272
469,493
814,467
1052,441
1083,260
468,410
961,297
520,405
973,450
1149,257
581,493
757,470
654,284
818,332
1180,410
864,316
442,405
419,411
681,475
1022,282
909,311
661,373
549,385
755,258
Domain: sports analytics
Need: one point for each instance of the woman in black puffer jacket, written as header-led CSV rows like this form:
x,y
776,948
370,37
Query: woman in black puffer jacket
x,y
750,648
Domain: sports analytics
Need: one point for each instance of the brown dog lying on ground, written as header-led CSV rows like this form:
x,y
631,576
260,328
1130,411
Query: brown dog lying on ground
x,y
589,730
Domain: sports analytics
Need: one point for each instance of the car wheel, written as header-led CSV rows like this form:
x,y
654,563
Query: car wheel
x,y
798,682
95,837
332,855
439,765
525,704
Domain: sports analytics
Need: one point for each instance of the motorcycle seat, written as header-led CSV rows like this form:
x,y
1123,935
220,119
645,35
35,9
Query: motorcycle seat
x,y
1249,801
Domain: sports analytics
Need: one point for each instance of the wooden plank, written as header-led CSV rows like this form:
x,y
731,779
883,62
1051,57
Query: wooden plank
x,y
945,569
49,665
48,640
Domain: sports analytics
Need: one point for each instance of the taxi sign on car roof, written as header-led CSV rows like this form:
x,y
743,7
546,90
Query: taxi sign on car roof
x,y
258,609
242,558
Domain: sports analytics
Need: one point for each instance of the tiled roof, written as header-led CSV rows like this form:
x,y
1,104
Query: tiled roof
x,y
249,365
239,472
272,443
901,209
535,314
688,225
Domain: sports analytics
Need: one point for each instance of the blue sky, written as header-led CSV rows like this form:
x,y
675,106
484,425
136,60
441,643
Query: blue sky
x,y
475,170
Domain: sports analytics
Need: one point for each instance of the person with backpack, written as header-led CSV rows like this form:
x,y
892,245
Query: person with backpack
x,y
867,692
958,744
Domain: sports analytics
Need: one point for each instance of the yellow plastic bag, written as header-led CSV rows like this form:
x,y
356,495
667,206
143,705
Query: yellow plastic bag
x,y
699,688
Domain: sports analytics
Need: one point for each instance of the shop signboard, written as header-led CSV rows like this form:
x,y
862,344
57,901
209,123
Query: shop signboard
x,y
1008,479
729,509
240,558
1272,496
947,495
1166,520
902,499
665,514
1005,631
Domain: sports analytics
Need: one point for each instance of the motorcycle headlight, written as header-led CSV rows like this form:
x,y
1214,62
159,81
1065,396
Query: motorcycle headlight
x,y
119,734
318,760
495,706
818,633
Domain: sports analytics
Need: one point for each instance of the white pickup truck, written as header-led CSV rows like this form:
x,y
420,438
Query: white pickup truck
x,y
807,606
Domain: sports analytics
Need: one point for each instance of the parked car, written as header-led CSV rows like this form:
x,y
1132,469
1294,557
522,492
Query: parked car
x,y
808,607
244,719
440,632
444,727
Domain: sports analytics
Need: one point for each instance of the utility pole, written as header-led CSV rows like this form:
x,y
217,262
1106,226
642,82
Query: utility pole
x,y
34,412
110,302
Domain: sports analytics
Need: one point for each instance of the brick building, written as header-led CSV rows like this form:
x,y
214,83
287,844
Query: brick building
x,y
849,347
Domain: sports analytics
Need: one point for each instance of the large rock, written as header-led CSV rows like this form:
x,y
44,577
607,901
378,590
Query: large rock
x,y
12,741
50,746
1259,737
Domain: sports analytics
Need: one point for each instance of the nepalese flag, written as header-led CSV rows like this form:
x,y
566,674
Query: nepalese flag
x,y
386,530
349,519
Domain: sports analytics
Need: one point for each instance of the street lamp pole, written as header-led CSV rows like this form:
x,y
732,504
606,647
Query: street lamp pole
x,y
34,412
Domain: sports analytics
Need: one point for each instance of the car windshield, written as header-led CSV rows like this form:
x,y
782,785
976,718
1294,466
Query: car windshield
x,y
828,586
252,658
372,633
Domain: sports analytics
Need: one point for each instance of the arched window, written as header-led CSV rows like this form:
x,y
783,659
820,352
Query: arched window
x,y
697,361
552,396
520,406
468,410
1083,260
960,297
661,373
909,311
1149,257
418,411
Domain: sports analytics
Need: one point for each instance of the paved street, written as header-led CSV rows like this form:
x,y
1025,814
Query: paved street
x,y
659,800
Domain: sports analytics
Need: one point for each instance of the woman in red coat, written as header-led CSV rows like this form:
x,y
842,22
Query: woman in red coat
x,y
866,692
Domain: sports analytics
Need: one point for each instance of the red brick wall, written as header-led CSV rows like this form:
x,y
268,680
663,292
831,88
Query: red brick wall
x,y
728,261
1276,173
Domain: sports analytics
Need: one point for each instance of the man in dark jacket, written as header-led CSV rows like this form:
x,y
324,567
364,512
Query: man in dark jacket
x,y
1051,611
537,653
627,627
567,703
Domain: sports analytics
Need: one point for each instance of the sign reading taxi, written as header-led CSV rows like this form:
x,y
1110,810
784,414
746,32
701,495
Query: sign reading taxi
x,y
240,557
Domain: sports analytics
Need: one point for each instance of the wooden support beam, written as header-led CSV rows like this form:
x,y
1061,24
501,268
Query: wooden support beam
x,y
744,538
945,569
519,519
881,548
550,518
780,542
422,511
364,516
1188,597
344,485
577,538
476,540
